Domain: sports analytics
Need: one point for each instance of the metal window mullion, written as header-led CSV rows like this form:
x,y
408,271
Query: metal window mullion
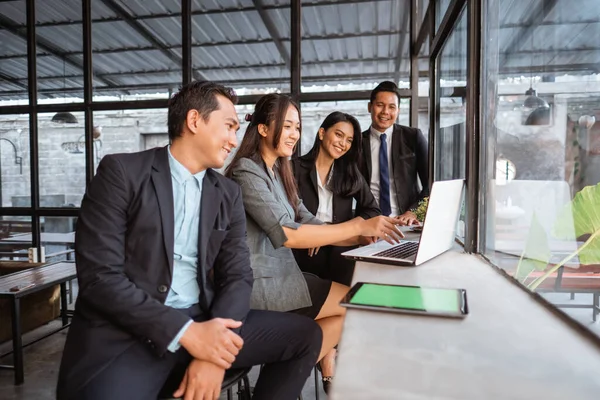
x,y
186,41
88,89
473,125
33,125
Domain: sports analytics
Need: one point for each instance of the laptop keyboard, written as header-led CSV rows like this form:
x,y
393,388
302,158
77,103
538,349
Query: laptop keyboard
x,y
403,250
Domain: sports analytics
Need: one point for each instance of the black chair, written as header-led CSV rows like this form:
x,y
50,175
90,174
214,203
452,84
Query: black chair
x,y
232,376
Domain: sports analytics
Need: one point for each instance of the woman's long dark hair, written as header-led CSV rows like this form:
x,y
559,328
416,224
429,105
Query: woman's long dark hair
x,y
346,175
270,111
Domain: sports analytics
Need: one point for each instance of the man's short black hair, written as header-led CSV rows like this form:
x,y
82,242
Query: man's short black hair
x,y
385,86
198,95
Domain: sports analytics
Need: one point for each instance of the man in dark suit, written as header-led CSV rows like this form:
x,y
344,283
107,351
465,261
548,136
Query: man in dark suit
x,y
394,157
164,273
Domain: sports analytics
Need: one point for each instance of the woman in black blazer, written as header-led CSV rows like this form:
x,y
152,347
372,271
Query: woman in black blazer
x,y
328,183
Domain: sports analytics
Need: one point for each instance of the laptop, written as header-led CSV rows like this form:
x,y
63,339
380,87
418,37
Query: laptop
x,y
439,230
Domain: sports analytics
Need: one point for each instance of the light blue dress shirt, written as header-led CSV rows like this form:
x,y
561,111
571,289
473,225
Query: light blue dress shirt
x,y
187,195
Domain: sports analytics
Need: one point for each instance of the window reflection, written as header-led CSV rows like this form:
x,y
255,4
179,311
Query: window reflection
x,y
540,104
451,136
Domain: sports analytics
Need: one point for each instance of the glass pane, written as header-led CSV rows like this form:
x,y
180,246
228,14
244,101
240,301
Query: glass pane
x,y
128,131
541,100
13,53
15,178
422,5
248,50
61,159
313,115
58,237
450,152
138,58
59,51
15,238
441,6
354,46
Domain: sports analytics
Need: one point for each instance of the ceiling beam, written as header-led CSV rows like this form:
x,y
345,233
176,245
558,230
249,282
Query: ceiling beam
x,y
375,77
423,30
273,32
12,80
224,10
222,68
144,32
46,46
538,13
402,41
230,43
520,70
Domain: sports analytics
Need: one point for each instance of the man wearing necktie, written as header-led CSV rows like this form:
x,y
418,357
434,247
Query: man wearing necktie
x,y
397,167
164,274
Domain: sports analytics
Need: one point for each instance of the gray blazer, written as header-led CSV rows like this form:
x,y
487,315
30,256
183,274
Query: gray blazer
x,y
278,282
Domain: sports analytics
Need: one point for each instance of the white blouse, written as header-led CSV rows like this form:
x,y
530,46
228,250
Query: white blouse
x,y
325,210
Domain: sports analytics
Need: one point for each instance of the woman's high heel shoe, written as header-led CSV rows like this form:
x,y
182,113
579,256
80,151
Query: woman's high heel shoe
x,y
325,380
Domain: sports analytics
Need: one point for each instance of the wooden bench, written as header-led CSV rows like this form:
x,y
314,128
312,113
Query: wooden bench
x,y
27,282
584,279
9,227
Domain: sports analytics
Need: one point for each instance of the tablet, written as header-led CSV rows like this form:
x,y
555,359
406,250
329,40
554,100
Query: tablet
x,y
407,299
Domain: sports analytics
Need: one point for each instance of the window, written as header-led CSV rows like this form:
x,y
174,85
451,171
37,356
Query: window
x,y
450,139
540,103
15,237
61,160
441,6
13,57
15,178
129,131
136,50
59,67
355,46
248,50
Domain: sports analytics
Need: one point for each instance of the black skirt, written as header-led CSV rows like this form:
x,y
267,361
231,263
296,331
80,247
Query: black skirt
x,y
319,290
328,263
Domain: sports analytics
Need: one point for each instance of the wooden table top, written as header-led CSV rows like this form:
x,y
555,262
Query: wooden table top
x,y
40,277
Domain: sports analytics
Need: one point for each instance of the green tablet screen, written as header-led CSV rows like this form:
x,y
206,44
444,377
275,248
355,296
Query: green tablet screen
x,y
408,297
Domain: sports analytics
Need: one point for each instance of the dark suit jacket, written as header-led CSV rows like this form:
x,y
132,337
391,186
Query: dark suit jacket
x,y
328,263
306,176
124,254
409,160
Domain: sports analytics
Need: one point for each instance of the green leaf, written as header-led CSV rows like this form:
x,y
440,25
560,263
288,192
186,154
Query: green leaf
x,y
584,213
537,251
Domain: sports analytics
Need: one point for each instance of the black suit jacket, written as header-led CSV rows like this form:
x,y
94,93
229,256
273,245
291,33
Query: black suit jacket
x,y
409,159
305,172
124,254
328,263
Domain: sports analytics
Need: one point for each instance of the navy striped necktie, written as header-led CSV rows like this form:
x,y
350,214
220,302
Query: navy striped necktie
x,y
384,178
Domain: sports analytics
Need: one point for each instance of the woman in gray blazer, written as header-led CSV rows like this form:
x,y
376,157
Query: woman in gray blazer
x,y
277,222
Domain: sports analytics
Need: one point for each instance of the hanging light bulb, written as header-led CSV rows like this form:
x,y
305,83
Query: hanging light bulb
x,y
532,100
64,118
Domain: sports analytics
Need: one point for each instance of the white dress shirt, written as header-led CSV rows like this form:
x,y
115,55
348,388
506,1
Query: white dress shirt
x,y
375,145
325,210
